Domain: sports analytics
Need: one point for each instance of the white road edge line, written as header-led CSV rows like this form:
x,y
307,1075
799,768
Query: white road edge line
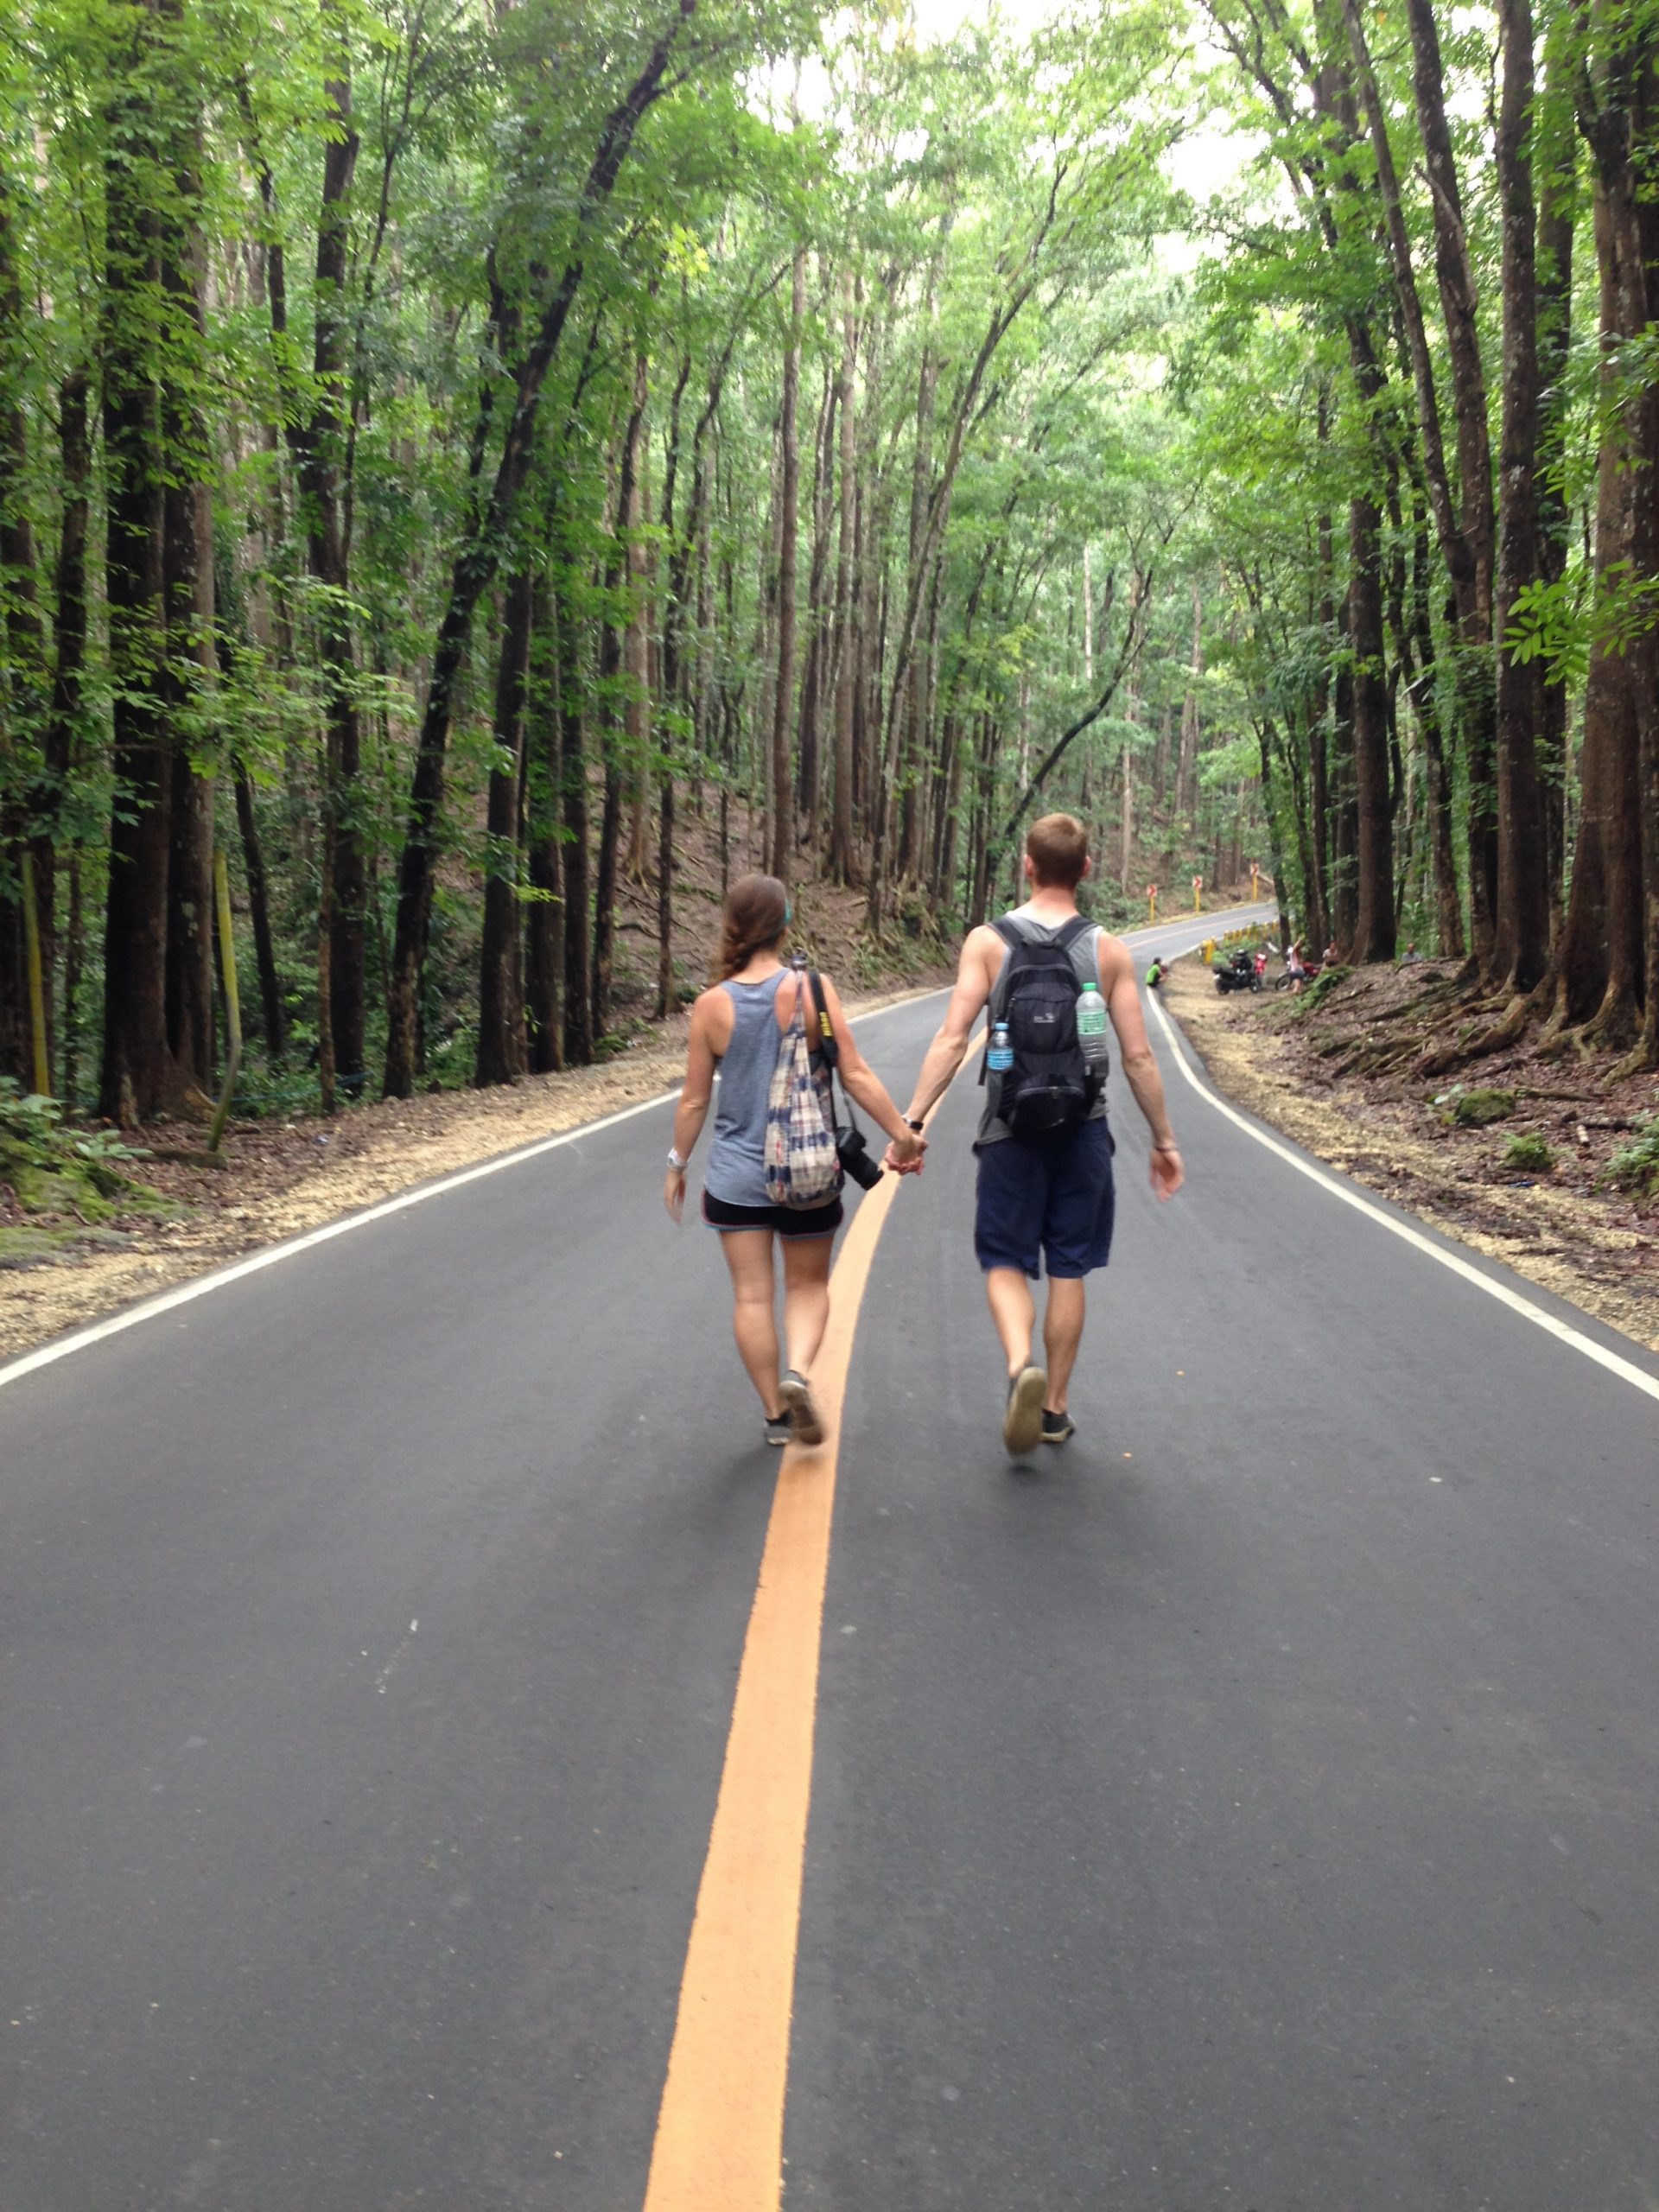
x,y
165,1301
1626,1370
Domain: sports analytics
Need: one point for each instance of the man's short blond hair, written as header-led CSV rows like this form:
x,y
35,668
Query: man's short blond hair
x,y
1058,849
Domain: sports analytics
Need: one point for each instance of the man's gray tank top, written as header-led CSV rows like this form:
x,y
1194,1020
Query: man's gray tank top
x,y
1085,962
737,1166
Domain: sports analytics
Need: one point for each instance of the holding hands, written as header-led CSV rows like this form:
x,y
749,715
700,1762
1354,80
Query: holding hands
x,y
904,1152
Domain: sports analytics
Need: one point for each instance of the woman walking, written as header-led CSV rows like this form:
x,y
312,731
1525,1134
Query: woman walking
x,y
737,1026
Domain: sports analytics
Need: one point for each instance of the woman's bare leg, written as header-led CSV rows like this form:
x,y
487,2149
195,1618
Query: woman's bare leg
x,y
748,1254
806,1298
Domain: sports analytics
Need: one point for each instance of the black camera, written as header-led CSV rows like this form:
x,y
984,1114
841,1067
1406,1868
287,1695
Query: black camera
x,y
856,1159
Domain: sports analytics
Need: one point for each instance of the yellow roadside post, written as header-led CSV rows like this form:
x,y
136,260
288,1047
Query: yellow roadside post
x,y
1152,902
232,1002
37,980
1197,893
1209,952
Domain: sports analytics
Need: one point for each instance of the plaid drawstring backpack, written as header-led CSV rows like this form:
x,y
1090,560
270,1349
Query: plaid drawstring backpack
x,y
801,1165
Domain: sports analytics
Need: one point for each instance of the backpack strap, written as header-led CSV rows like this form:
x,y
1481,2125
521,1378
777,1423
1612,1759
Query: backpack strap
x,y
826,1046
1068,933
819,1027
1014,937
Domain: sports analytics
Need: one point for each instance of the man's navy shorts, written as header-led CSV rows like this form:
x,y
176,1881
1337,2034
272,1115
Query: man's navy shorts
x,y
1052,1201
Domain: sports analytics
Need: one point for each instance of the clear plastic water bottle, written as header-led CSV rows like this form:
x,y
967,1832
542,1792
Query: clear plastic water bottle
x,y
1091,1026
1000,1058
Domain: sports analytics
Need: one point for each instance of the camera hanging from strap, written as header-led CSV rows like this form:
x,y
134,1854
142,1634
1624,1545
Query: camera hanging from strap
x,y
851,1145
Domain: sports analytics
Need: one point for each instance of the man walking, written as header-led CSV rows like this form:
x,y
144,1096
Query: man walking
x,y
1048,981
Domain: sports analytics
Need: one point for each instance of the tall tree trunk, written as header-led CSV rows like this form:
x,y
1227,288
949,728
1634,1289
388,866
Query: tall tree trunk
x,y
1186,772
133,1075
1521,951
783,704
24,788
914,712
636,658
1644,134
274,1013
319,437
1557,213
1373,908
544,925
502,1056
820,642
1601,961
1473,685
613,645
572,787
1345,813
1425,710
189,561
842,865
63,747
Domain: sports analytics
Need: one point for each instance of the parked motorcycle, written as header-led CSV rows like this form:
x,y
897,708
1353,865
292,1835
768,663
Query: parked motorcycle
x,y
1239,974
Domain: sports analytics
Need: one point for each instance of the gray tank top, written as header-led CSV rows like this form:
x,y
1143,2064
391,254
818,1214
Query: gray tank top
x,y
737,1168
1085,962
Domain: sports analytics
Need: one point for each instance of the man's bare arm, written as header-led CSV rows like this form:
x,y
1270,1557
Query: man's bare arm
x,y
945,1054
1123,1004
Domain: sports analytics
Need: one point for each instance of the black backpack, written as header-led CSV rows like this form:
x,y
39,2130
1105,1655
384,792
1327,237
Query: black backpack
x,y
1050,1089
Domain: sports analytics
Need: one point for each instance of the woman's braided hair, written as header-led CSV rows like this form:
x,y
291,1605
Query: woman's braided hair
x,y
756,916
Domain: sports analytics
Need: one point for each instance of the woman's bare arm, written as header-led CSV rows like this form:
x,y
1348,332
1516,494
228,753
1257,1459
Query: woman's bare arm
x,y
863,1083
696,1093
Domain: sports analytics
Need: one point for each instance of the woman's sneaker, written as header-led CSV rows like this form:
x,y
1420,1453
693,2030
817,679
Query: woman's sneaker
x,y
779,1428
1056,1428
1022,1419
797,1393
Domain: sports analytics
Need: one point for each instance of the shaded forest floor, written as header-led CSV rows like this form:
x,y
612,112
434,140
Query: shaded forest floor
x,y
1562,1223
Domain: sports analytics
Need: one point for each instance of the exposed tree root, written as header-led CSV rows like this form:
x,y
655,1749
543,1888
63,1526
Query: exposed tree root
x,y
1613,1026
1512,1025
1642,1059
1378,1056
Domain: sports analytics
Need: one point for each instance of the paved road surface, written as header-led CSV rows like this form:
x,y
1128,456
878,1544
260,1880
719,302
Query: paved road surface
x,y
1252,1807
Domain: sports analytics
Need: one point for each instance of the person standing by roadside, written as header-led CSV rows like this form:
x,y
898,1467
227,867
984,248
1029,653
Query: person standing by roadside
x,y
737,1026
1046,1186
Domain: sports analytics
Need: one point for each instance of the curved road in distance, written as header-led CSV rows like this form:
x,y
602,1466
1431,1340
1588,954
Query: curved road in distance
x,y
1251,1805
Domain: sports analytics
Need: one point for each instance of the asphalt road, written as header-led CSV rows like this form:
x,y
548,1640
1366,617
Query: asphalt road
x,y
1251,1805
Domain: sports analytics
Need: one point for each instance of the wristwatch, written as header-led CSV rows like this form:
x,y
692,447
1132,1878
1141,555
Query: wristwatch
x,y
676,1163
911,1123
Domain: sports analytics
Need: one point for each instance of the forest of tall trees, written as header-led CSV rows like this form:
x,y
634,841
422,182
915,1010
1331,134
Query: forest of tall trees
x,y
459,458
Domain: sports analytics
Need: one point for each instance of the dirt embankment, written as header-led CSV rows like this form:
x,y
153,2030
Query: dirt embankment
x,y
282,1178
1559,1222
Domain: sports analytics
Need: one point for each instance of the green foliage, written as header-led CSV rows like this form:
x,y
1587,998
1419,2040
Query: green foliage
x,y
1476,1107
1528,1153
50,1169
1635,1166
1312,997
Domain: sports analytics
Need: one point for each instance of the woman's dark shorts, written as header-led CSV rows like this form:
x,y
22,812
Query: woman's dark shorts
x,y
1054,1202
784,1221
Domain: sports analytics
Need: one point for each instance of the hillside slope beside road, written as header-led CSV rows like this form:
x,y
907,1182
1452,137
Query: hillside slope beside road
x,y
1565,1226
1261,1817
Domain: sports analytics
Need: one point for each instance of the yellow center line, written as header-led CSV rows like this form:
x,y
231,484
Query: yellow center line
x,y
719,2129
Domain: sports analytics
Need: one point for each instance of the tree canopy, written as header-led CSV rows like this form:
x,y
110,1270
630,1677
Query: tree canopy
x,y
478,467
